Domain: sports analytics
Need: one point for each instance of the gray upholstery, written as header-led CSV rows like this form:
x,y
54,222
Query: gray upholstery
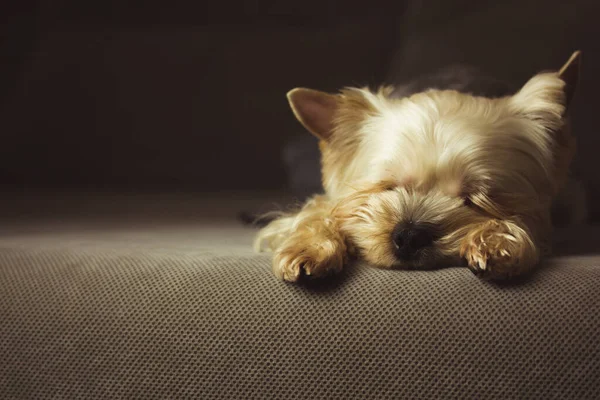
x,y
127,296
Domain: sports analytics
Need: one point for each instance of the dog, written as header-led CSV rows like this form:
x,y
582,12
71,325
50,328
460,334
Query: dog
x,y
421,177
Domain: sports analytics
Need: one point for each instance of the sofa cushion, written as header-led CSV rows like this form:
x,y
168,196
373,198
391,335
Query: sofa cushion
x,y
162,297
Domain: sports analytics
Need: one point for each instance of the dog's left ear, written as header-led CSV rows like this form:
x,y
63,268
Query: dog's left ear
x,y
547,96
315,110
569,73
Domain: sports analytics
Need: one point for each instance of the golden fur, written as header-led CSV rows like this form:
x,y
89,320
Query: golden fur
x,y
481,172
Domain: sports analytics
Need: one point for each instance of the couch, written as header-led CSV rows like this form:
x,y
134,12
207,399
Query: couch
x,y
124,295
107,292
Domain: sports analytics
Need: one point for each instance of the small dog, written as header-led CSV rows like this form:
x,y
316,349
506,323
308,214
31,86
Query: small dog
x,y
430,178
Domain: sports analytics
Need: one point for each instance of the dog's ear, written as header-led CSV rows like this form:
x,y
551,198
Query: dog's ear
x,y
315,110
547,96
569,73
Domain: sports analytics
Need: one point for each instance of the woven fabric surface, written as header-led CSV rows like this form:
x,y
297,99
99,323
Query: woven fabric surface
x,y
185,310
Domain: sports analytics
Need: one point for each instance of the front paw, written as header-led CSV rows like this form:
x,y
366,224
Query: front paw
x,y
315,259
499,250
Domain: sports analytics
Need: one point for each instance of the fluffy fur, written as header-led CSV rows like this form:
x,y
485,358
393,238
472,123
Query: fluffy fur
x,y
480,173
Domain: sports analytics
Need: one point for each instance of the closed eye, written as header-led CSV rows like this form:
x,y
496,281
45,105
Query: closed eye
x,y
467,201
387,186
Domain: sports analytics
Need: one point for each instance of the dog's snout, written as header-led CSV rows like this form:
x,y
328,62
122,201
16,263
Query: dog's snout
x,y
409,238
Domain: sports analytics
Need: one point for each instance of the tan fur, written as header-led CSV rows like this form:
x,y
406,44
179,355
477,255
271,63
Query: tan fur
x,y
499,248
479,172
307,241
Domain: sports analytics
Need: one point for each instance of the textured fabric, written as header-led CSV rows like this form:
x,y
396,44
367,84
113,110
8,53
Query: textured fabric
x,y
157,304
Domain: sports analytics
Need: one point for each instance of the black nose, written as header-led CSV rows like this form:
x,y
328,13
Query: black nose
x,y
410,238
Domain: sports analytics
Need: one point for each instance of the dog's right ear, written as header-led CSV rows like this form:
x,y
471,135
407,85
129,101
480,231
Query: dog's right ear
x,y
315,110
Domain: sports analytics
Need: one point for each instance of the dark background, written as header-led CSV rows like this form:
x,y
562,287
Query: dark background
x,y
182,94
191,95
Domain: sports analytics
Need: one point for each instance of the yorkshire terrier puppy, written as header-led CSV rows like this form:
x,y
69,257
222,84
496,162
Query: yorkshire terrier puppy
x,y
428,179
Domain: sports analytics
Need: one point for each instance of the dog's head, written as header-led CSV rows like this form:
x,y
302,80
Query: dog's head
x,y
411,176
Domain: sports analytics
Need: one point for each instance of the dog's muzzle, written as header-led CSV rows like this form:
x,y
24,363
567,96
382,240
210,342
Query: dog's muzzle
x,y
410,238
